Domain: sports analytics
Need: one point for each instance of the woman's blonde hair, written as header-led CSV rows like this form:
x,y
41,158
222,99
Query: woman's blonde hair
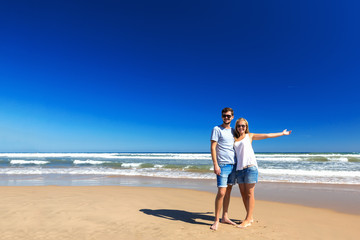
x,y
246,123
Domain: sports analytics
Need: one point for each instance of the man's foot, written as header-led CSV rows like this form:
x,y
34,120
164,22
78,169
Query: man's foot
x,y
227,221
214,226
244,224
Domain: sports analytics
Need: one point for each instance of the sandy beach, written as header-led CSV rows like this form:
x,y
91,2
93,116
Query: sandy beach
x,y
118,212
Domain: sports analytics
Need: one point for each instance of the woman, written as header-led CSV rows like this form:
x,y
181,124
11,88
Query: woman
x,y
247,168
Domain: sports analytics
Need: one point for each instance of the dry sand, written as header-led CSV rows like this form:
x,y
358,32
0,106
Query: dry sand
x,y
113,212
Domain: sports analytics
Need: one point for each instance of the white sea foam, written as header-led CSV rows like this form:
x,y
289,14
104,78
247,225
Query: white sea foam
x,y
158,166
24,162
182,156
166,173
305,156
308,168
338,158
282,159
308,154
131,165
267,175
58,155
93,162
310,173
341,159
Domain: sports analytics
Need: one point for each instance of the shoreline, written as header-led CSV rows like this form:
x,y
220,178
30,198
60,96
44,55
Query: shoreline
x,y
336,197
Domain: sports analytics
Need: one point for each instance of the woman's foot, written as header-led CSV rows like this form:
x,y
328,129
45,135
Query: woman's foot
x,y
244,224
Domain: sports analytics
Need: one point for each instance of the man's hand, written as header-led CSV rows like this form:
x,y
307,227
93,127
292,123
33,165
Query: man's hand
x,y
217,170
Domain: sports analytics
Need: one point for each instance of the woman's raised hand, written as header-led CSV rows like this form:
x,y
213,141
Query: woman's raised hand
x,y
286,132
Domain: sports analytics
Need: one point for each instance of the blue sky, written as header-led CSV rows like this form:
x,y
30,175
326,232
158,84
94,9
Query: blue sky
x,y
153,76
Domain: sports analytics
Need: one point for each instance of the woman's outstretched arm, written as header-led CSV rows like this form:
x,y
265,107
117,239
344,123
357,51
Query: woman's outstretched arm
x,y
260,136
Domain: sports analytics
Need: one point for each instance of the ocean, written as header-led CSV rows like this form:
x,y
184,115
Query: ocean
x,y
103,168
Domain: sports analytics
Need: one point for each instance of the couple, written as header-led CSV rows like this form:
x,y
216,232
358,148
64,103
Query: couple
x,y
234,161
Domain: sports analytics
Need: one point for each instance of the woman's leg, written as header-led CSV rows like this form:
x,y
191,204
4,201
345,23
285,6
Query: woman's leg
x,y
244,196
250,190
247,192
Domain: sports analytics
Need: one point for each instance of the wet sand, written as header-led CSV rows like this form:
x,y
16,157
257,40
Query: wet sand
x,y
341,198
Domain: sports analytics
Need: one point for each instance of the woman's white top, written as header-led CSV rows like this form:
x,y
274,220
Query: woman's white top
x,y
244,153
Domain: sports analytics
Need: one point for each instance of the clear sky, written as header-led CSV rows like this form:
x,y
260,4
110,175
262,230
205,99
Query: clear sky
x,y
153,76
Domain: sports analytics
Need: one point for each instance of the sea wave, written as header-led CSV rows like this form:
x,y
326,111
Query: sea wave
x,y
165,173
309,157
288,157
182,156
131,165
266,175
279,167
91,162
28,162
58,155
290,172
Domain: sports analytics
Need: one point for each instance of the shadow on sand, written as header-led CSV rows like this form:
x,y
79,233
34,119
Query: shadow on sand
x,y
180,215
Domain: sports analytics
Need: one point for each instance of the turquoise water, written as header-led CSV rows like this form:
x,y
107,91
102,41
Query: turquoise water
x,y
60,168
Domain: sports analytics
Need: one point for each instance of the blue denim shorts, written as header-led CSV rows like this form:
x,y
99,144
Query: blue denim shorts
x,y
247,175
223,179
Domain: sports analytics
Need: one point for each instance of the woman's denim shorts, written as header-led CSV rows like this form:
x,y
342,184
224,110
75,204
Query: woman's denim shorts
x,y
247,175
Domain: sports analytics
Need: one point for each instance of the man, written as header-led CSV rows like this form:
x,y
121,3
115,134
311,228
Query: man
x,y
223,156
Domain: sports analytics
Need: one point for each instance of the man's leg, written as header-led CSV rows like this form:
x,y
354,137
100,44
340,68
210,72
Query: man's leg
x,y
218,204
225,217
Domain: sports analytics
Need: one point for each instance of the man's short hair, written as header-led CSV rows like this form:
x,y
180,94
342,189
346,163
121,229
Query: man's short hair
x,y
225,110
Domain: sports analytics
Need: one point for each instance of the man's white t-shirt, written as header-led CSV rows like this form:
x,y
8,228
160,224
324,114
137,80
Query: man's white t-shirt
x,y
225,144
